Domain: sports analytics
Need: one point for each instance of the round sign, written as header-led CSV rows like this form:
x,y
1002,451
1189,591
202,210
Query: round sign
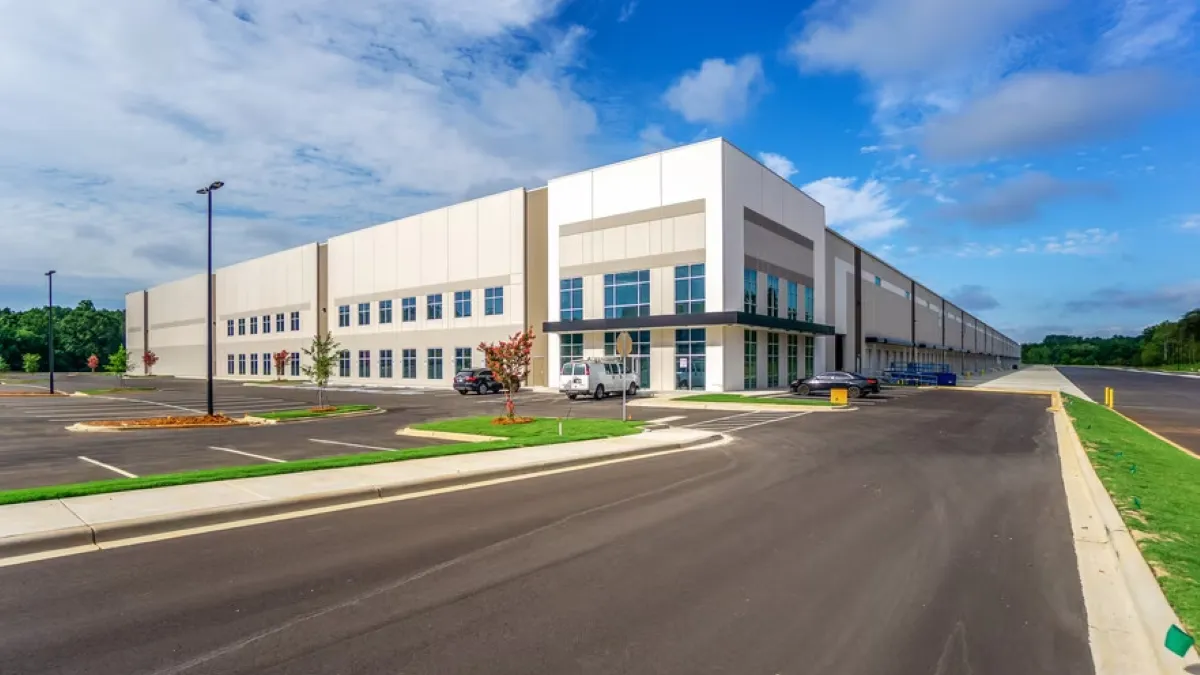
x,y
624,344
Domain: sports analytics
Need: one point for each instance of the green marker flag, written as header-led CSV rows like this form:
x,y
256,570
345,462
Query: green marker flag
x,y
1178,641
1137,503
1133,468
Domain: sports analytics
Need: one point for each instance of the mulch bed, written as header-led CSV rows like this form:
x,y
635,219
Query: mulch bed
x,y
515,420
170,421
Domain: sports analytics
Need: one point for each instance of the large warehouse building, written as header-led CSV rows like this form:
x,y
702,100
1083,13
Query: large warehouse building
x,y
723,273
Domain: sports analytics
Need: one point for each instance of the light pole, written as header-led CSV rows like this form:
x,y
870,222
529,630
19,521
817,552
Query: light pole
x,y
213,187
50,328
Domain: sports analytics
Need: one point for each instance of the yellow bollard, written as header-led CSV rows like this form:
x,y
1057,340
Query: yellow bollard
x,y
839,397
1109,397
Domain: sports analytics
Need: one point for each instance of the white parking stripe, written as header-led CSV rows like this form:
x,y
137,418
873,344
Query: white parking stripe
x,y
247,454
114,469
351,445
664,420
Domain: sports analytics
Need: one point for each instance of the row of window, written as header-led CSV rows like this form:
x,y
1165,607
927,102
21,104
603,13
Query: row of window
x,y
493,305
293,324
792,363
750,296
237,364
408,363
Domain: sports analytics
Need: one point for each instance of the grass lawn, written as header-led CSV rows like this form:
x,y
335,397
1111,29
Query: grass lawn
x,y
756,400
520,436
305,412
114,390
1156,487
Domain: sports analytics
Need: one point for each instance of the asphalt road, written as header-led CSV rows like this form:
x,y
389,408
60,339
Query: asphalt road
x,y
928,536
1168,404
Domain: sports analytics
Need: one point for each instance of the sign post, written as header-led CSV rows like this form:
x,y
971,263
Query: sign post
x,y
624,348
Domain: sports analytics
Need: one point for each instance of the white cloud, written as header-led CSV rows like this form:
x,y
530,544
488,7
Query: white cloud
x,y
627,11
778,163
1145,28
654,138
861,213
319,117
1045,110
1190,223
718,92
1089,242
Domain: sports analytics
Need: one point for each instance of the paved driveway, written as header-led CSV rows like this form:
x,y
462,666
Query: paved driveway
x,y
1168,404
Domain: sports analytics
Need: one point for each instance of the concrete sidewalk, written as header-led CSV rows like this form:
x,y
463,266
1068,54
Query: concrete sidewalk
x,y
1029,378
77,524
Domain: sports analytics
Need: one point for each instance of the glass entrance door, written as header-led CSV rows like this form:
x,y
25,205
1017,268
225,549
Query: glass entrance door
x,y
690,362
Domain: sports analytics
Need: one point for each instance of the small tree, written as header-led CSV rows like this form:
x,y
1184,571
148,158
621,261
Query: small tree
x,y
4,367
321,353
118,363
149,358
93,362
509,361
281,358
31,362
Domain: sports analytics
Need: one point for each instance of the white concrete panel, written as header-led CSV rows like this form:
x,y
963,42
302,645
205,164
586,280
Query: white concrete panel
x,y
570,251
570,200
435,249
383,256
462,254
692,172
637,240
613,247
629,186
408,254
773,188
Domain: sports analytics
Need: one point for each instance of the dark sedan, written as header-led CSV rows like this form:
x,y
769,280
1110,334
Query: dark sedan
x,y
856,385
479,380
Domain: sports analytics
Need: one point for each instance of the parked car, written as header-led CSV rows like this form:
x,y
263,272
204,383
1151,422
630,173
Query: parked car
x,y
856,385
596,378
478,380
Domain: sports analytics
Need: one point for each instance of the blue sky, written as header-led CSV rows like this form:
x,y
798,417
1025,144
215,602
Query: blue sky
x,y
1035,160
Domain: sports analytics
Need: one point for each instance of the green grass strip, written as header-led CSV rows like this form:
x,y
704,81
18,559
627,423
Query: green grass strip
x,y
1156,487
754,400
305,412
114,390
545,427
586,433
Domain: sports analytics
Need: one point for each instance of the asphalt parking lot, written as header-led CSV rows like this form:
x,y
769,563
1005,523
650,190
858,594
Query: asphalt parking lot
x,y
36,449
1167,404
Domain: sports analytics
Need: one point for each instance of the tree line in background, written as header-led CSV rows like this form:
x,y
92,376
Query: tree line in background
x,y
79,333
1170,344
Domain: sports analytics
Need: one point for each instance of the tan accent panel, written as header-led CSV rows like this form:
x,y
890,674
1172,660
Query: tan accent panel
x,y
178,324
630,264
537,220
396,293
752,216
621,219
781,272
322,289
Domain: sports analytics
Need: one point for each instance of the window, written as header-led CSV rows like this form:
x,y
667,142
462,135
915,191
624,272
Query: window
x,y
254,364
241,364
689,289
808,304
364,363
385,311
344,363
570,299
772,360
408,309
878,281
266,320
433,364
364,313
385,363
689,358
266,364
462,304
229,327
627,294
254,325
750,361
639,359
570,347
241,326
295,320
343,316
808,356
279,322
793,372
493,301
229,364
793,300
408,364
295,358
462,359
749,291
433,306
772,295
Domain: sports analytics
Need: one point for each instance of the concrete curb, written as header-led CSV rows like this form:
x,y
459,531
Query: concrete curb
x,y
242,423
82,538
741,407
448,435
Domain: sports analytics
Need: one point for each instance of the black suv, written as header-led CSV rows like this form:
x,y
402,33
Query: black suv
x,y
478,380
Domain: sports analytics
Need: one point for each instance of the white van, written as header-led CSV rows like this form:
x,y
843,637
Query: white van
x,y
596,378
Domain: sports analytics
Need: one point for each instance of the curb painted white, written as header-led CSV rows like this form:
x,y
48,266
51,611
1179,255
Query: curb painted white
x,y
448,435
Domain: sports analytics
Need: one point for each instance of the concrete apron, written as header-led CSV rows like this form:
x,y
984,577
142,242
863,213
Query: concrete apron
x,y
52,528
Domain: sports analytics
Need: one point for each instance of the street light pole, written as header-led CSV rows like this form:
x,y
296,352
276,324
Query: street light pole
x,y
50,328
208,281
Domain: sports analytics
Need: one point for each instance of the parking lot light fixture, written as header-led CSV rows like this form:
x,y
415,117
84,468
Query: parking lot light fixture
x,y
207,191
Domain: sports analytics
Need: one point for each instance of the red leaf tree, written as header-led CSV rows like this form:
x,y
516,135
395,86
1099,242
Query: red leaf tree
x,y
281,359
149,358
93,362
509,360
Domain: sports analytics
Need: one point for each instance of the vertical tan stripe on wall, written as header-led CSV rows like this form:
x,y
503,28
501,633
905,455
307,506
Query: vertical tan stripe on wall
x,y
537,219
322,289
